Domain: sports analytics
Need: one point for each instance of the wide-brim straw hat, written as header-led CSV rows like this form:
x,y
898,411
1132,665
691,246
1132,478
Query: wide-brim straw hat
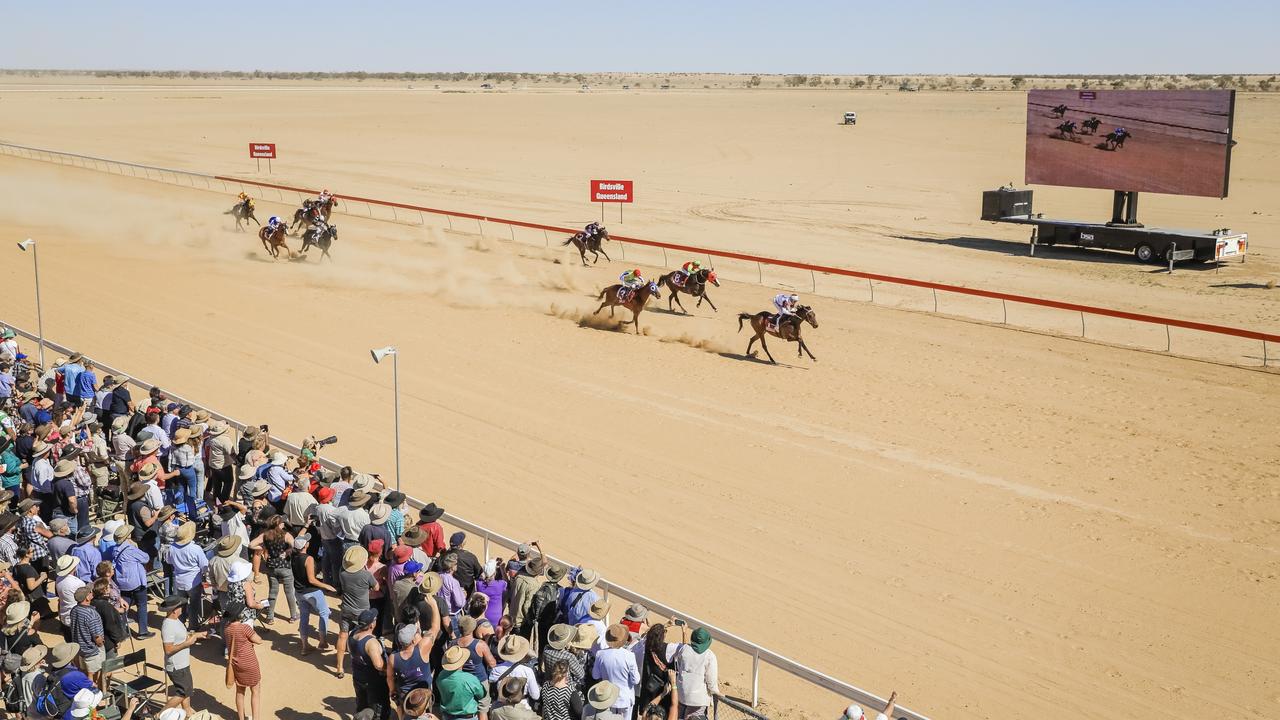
x,y
556,571
431,583
598,610
636,613
587,579
148,446
279,459
136,491
63,654
122,533
258,488
67,564
181,436
14,615
216,428
602,695
359,499
247,471
64,468
414,536
584,636
354,558
33,657
229,545
148,472
559,635
39,448
379,513
165,513
513,648
455,657
187,533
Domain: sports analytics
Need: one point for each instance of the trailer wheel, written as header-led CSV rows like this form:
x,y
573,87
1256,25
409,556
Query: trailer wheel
x,y
1144,253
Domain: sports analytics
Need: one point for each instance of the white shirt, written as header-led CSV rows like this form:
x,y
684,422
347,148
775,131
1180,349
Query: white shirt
x,y
66,588
42,475
155,498
531,687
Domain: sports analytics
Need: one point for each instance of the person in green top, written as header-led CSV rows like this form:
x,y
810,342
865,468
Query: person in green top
x,y
459,691
10,466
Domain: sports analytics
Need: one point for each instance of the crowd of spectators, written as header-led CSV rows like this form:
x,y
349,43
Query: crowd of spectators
x,y
121,511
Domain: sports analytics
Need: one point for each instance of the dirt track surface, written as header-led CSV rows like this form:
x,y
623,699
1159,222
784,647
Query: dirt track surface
x,y
995,523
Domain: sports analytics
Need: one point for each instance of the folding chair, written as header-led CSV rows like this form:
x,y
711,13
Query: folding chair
x,y
141,684
156,584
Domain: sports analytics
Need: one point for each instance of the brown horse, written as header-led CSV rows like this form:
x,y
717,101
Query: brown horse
x,y
311,209
635,303
695,285
273,241
788,329
243,212
585,242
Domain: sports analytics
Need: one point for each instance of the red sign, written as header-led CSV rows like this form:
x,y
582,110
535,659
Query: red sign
x,y
618,191
1088,95
262,151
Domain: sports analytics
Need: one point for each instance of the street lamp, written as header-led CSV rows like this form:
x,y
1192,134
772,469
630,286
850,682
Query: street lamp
x,y
24,246
378,354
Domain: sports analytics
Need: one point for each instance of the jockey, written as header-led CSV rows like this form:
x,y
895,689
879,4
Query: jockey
x,y
274,224
325,196
593,229
691,268
244,199
1121,132
632,279
786,304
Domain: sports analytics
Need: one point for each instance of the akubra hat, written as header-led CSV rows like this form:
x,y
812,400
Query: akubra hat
x,y
186,532
359,499
148,472
556,571
598,610
454,658
430,513
33,657
414,536
247,471
559,635
229,545
354,558
14,615
587,579
602,695
64,468
379,513
148,446
584,637
63,654
431,583
513,648
137,491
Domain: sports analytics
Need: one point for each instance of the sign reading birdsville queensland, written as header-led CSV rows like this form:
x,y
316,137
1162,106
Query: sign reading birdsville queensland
x,y
619,191
262,151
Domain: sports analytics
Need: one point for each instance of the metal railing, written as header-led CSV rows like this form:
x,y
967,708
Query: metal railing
x,y
401,212
759,655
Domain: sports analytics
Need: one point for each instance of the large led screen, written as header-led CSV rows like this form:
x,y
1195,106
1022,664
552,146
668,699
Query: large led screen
x,y
1163,141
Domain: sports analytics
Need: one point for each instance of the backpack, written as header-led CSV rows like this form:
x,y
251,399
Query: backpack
x,y
542,609
51,702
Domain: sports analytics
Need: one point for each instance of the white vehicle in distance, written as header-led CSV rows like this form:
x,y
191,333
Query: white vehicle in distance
x,y
851,118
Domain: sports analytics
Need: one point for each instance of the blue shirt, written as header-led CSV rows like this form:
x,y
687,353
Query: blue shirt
x,y
131,570
107,547
577,605
278,479
85,383
73,682
188,562
89,556
6,385
70,373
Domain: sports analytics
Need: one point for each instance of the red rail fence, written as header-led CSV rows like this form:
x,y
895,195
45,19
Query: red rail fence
x,y
191,179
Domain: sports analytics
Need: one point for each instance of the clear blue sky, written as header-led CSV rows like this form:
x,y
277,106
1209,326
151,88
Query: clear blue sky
x,y
796,36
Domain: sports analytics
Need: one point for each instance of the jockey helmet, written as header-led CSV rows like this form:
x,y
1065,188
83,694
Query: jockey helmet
x,y
794,298
636,271
324,191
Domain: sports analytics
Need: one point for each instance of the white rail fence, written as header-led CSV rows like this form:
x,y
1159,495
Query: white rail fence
x,y
759,656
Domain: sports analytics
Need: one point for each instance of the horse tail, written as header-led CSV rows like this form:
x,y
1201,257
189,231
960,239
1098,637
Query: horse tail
x,y
602,294
566,242
741,317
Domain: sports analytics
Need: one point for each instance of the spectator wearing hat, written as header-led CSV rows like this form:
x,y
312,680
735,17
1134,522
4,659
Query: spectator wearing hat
x,y
243,657
697,672
131,574
31,678
454,596
429,521
377,530
142,514
9,537
153,430
64,494
511,703
600,701
596,615
513,655
854,711
410,668
469,567
352,519
65,587
10,468
325,513
121,405
86,387
221,459
523,587
414,537
395,520
70,372
309,589
20,628
182,461
575,602
357,583
299,504
177,649
62,541
278,477
617,664
458,691
585,640
86,551
63,670
172,412
557,650
40,478
87,631
417,705
480,660
368,666
188,561
35,534
636,621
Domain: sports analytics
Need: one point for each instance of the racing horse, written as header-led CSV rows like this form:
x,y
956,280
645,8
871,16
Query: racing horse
x,y
243,212
633,300
585,242
1114,140
1059,111
273,241
322,239
787,329
1091,126
695,285
313,209
1067,130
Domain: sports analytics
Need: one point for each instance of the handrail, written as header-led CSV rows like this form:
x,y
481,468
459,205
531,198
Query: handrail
x,y
757,652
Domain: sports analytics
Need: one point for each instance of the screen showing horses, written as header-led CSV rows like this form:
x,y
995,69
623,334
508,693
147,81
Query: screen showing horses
x,y
1164,141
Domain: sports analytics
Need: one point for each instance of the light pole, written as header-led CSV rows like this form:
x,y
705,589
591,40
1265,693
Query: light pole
x,y
378,354
24,246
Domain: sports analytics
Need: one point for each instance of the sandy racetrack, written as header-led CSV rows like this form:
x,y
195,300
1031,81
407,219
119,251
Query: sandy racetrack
x,y
996,523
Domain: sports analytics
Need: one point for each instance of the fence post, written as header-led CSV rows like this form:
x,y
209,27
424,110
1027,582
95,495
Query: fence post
x,y
813,277
935,299
486,547
759,274
421,219
481,226
1264,353
755,677
873,291
623,248
449,219
546,238
1081,323
1168,340
1005,307
395,217
369,209
512,228
664,257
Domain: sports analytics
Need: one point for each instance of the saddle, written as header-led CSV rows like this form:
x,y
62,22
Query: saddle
x,y
625,294
679,278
